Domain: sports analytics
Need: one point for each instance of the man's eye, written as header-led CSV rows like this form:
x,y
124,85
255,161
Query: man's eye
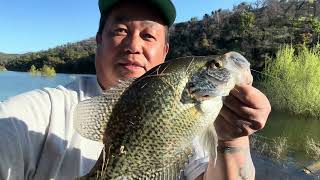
x,y
148,36
120,31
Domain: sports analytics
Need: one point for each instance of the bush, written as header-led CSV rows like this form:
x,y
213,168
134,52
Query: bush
x,y
34,71
292,80
47,71
2,68
44,71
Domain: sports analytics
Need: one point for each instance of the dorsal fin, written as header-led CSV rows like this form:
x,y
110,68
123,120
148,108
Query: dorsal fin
x,y
92,115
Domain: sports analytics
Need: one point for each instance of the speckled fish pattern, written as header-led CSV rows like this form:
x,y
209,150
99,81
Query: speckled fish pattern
x,y
148,124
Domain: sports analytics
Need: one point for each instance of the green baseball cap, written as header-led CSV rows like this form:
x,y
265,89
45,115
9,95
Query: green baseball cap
x,y
165,7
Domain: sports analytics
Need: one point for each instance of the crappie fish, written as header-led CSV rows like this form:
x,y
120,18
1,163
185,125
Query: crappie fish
x,y
148,124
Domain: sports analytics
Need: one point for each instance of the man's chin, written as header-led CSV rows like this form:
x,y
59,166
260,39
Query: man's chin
x,y
131,75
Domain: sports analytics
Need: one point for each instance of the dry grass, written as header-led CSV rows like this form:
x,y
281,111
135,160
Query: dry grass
x,y
276,148
279,147
312,148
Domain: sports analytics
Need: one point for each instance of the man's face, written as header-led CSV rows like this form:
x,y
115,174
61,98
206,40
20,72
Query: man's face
x,y
131,43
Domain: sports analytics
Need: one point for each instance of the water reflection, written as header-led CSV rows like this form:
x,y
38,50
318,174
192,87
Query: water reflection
x,y
296,129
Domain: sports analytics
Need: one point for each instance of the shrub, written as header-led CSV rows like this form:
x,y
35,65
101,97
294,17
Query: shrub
x,y
44,71
2,68
292,80
47,71
34,71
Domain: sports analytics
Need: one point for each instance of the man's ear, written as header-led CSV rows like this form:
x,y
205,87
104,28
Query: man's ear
x,y
98,39
166,49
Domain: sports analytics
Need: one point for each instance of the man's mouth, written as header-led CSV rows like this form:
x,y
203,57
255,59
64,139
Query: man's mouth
x,y
132,66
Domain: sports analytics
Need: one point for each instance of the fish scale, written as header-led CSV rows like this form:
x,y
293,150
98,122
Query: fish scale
x,y
152,143
148,124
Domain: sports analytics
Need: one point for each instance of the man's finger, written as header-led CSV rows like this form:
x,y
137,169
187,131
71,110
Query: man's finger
x,y
250,103
238,107
239,122
250,96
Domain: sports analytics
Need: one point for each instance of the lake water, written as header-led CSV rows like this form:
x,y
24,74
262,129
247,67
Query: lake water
x,y
13,83
296,129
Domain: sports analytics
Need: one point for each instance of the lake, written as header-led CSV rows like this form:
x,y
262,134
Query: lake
x,y
13,83
294,128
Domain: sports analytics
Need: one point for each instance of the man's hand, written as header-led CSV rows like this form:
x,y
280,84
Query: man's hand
x,y
244,112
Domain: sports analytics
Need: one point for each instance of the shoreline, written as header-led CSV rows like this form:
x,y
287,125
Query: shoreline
x,y
268,169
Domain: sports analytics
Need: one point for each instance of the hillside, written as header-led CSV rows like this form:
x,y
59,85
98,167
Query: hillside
x,y
256,30
69,58
4,58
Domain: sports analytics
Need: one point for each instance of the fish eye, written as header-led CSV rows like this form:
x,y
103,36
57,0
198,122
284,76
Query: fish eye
x,y
216,64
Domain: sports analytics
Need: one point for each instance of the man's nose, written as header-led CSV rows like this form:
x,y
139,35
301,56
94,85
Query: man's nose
x,y
133,44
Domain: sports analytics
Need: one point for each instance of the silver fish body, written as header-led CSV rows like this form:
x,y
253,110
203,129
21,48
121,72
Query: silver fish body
x,y
148,124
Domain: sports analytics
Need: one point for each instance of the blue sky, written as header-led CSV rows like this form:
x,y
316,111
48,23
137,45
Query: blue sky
x,y
33,25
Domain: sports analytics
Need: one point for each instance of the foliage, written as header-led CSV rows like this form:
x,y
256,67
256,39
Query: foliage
x,y
47,71
5,57
2,68
33,70
256,30
44,71
246,21
69,58
276,148
292,80
312,148
279,148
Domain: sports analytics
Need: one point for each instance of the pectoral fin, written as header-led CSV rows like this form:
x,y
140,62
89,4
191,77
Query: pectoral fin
x,y
91,116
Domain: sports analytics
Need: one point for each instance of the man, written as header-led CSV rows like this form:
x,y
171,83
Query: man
x,y
36,129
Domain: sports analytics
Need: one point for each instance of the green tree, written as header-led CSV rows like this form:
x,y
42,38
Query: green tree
x,y
2,68
205,42
316,26
247,20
